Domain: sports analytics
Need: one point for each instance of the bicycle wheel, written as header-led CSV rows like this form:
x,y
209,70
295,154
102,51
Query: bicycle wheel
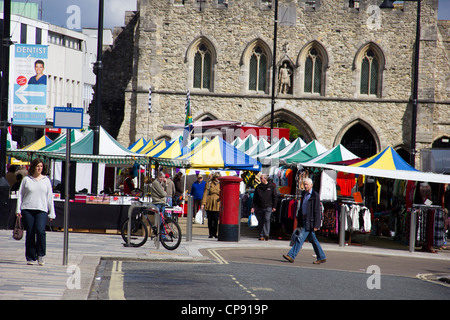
x,y
170,234
139,232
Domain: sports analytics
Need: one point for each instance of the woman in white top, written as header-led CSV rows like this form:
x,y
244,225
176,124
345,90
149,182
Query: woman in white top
x,y
34,205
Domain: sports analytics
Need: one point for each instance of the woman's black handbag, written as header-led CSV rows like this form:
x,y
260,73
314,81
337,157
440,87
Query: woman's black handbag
x,y
18,229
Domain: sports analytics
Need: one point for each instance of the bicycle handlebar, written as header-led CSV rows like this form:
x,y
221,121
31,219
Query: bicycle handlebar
x,y
147,204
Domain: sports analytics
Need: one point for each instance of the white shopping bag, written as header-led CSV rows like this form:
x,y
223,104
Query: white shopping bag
x,y
252,221
199,217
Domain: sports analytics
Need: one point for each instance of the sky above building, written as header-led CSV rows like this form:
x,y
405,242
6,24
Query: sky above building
x,y
84,13
77,14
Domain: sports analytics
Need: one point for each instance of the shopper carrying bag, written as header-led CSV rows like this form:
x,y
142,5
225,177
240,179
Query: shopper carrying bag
x,y
18,229
35,206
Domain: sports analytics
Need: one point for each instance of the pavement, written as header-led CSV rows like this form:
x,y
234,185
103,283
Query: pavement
x,y
73,281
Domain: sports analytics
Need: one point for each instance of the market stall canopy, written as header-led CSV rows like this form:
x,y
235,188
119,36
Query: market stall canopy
x,y
274,148
146,148
110,151
60,142
387,159
215,154
338,153
386,168
159,146
236,141
308,152
204,124
291,149
38,144
245,144
192,145
137,145
172,150
220,154
259,147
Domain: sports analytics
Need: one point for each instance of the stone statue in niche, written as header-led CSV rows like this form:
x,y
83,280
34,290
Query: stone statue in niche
x,y
284,79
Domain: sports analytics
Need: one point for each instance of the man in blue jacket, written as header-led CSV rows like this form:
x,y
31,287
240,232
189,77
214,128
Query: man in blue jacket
x,y
309,218
197,189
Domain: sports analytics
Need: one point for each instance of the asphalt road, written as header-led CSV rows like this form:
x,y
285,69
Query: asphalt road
x,y
262,274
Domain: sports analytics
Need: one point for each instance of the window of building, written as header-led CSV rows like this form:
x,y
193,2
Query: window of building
x,y
310,4
353,4
313,72
258,70
23,33
38,36
313,62
264,4
369,73
202,67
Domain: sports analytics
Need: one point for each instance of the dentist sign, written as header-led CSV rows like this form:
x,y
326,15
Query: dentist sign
x,y
30,84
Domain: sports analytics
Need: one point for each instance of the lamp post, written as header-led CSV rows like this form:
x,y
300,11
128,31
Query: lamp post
x,y
6,43
274,68
98,95
389,4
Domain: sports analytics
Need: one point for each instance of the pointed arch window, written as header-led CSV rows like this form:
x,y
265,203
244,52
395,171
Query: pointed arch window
x,y
258,70
313,72
369,73
202,67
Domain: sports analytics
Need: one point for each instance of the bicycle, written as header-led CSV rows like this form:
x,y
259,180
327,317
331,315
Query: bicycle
x,y
169,230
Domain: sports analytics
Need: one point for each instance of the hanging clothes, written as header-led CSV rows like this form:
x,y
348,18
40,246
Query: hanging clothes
x,y
367,218
354,216
345,181
358,219
430,227
286,181
378,192
439,228
328,185
409,193
330,219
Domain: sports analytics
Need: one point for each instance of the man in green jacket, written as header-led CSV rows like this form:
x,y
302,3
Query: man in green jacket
x,y
158,193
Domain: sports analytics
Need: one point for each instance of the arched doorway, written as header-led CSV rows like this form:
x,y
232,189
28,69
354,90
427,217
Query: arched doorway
x,y
441,143
286,119
359,140
402,152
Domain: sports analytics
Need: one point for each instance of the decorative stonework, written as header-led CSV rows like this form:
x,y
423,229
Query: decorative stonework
x,y
165,33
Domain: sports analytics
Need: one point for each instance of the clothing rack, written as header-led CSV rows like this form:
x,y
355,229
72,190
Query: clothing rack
x,y
412,229
290,196
342,218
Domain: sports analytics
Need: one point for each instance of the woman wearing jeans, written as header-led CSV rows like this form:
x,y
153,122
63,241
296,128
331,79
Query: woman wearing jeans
x,y
35,205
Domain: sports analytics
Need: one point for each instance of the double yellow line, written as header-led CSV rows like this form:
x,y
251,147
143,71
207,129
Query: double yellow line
x,y
217,256
115,291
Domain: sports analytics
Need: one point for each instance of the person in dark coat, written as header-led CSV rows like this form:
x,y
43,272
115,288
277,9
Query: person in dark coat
x,y
309,218
177,198
265,202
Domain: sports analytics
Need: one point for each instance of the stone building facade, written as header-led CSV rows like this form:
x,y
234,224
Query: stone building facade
x,y
349,66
